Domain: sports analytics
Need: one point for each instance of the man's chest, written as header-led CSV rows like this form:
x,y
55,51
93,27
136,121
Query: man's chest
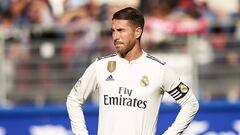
x,y
129,80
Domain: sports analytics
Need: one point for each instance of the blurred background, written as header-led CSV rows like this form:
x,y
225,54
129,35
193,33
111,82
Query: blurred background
x,y
46,45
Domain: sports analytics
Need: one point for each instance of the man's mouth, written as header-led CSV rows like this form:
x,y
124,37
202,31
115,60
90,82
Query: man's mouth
x,y
117,43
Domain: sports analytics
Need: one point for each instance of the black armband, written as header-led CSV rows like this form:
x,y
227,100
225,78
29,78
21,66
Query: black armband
x,y
180,91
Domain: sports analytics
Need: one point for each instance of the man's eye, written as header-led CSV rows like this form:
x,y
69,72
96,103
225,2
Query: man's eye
x,y
119,30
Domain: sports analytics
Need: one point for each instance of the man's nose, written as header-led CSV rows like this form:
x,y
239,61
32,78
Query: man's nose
x,y
115,35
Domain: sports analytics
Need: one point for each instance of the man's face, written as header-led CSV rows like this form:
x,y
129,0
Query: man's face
x,y
124,35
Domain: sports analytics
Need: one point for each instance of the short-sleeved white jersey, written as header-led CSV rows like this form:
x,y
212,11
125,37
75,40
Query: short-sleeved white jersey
x,y
130,94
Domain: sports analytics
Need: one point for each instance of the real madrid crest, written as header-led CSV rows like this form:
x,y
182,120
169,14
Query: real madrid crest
x,y
144,81
111,66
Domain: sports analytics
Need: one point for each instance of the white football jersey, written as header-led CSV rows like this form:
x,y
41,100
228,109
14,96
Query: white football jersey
x,y
130,94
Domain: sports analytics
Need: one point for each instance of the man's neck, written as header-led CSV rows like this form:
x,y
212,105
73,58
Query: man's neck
x,y
133,54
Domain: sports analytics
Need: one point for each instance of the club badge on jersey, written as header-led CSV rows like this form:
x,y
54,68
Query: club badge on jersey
x,y
144,81
111,66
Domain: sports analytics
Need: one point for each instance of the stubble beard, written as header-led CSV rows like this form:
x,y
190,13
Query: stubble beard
x,y
121,51
124,50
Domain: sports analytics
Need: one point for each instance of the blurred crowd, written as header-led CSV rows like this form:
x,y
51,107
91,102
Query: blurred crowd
x,y
90,19
30,27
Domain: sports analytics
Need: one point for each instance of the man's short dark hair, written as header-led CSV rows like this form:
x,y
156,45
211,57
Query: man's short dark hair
x,y
131,14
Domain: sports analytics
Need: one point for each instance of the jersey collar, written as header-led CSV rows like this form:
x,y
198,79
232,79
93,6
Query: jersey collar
x,y
144,54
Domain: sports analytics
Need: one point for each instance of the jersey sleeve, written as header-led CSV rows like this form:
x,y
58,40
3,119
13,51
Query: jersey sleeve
x,y
184,97
78,95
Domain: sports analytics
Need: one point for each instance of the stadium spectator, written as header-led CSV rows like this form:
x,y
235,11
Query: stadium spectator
x,y
18,10
40,14
223,14
166,19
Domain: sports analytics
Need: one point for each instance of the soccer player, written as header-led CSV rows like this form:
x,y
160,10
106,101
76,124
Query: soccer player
x,y
131,86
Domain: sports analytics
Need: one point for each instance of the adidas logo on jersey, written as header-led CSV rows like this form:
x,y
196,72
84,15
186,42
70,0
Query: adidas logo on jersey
x,y
110,78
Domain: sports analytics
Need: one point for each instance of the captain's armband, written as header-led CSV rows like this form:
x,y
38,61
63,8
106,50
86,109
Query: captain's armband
x,y
179,92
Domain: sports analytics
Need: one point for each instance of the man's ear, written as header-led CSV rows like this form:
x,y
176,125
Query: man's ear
x,y
138,32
